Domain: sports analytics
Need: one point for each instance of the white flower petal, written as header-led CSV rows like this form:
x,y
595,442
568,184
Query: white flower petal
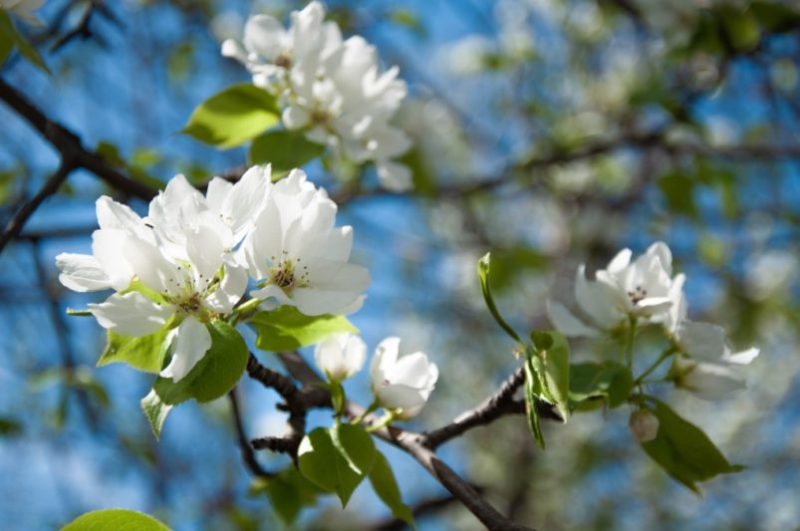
x,y
190,344
230,290
395,177
711,381
566,322
744,357
81,272
597,300
131,314
702,341
620,261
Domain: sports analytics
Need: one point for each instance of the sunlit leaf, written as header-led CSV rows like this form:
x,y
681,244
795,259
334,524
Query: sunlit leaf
x,y
287,329
115,520
233,116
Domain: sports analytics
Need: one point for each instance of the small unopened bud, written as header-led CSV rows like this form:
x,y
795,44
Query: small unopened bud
x,y
643,425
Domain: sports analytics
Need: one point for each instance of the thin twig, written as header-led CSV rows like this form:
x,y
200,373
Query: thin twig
x,y
294,405
52,185
500,403
248,455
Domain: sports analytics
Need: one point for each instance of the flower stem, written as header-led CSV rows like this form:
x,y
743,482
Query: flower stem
x,y
664,355
385,421
372,407
78,313
631,336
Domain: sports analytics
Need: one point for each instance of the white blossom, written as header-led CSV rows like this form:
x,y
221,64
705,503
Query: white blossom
x,y
402,381
340,356
330,88
708,367
180,258
643,289
297,254
115,246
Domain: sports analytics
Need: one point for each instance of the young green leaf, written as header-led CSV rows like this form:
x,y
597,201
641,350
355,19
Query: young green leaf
x,y
215,374
10,37
287,329
385,486
322,461
233,116
285,150
683,450
355,445
145,353
484,266
533,389
288,491
156,411
6,39
553,351
610,382
115,520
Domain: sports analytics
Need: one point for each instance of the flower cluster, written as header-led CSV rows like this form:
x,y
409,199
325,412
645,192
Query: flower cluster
x,y
645,291
402,381
187,263
330,88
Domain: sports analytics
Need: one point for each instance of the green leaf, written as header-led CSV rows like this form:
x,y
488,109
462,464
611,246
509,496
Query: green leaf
x,y
553,351
610,382
533,389
385,486
285,150
215,374
683,450
484,266
325,464
145,353
355,445
233,116
288,491
741,27
10,37
10,427
156,411
678,191
115,520
286,329
6,40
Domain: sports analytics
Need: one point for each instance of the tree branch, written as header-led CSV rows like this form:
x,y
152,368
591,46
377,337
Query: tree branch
x,y
19,219
295,405
69,145
248,456
412,443
499,404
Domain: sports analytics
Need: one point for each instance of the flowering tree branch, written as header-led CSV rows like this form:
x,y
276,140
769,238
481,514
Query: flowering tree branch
x,y
415,444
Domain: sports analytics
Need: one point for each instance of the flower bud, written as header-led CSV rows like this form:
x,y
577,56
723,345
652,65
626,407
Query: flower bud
x,y
643,425
340,356
402,383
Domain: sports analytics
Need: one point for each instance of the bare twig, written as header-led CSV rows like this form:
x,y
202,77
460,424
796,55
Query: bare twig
x,y
294,405
495,406
248,456
52,185
69,145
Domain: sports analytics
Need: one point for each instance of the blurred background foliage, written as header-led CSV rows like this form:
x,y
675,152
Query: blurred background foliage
x,y
551,132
